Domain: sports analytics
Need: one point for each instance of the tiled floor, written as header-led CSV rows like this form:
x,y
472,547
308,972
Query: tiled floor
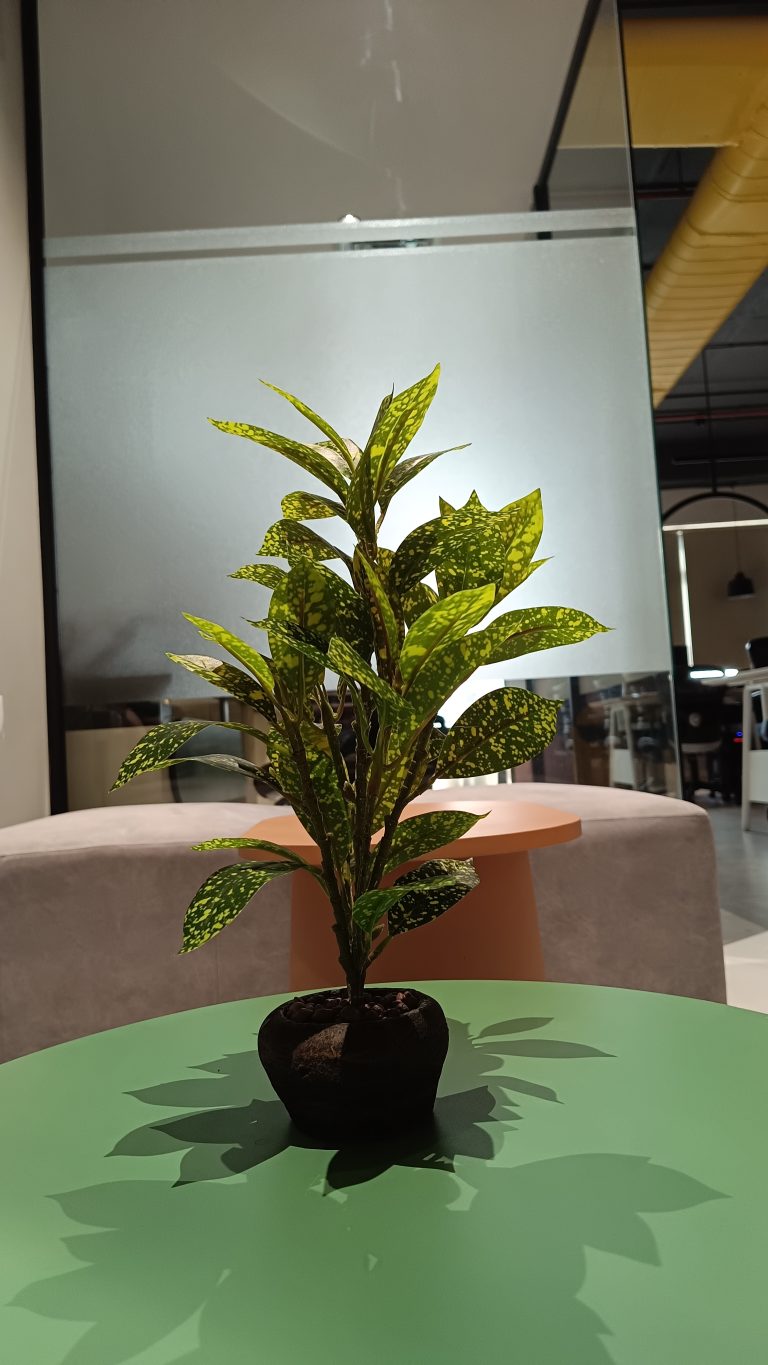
x,y
742,862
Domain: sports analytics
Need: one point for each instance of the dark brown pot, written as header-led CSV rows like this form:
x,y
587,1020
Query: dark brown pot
x,y
360,1078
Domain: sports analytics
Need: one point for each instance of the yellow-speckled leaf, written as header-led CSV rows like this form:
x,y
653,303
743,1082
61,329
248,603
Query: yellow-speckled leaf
x,y
533,628
310,458
445,670
498,731
253,661
309,507
361,511
448,620
432,889
514,576
156,749
408,469
382,607
397,426
372,906
423,833
293,541
472,546
419,553
525,523
348,664
264,846
353,617
304,606
335,439
229,679
222,897
416,601
325,786
269,575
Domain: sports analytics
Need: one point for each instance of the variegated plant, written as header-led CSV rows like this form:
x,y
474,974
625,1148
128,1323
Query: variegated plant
x,y
399,647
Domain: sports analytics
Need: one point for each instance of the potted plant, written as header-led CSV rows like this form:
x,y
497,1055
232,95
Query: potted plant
x,y
357,1060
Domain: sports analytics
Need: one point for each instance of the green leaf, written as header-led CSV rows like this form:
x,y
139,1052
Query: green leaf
x,y
229,679
448,620
373,905
498,731
408,469
382,608
361,512
292,540
397,426
417,555
513,576
327,792
526,522
445,670
302,604
309,507
253,661
353,616
433,888
156,748
307,457
535,628
264,845
269,575
222,897
422,833
472,544
348,664
319,422
417,600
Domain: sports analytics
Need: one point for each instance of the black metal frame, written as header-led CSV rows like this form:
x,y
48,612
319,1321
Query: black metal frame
x,y
714,493
541,188
57,759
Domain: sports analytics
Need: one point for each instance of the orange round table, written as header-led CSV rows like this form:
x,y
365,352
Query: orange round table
x,y
492,934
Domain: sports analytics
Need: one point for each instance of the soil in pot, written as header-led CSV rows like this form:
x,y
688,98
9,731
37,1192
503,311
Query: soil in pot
x,y
344,1072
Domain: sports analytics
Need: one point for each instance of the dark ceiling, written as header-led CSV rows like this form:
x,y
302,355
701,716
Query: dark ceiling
x,y
717,414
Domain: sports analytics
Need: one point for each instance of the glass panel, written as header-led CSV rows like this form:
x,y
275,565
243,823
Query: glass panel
x,y
165,312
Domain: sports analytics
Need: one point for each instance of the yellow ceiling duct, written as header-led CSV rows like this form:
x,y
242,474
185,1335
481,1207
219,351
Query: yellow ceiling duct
x,y
703,83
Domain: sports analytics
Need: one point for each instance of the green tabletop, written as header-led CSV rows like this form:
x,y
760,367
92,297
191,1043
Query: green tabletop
x,y
595,1190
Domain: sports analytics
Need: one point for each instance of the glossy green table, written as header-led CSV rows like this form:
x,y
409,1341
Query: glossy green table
x,y
595,1190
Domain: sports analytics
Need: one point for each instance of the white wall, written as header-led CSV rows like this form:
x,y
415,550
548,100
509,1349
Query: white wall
x,y
23,739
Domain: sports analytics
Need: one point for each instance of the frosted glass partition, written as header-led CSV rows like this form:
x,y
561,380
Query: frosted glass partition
x,y
544,369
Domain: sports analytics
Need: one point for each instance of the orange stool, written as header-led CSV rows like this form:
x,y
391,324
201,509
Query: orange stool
x,y
492,934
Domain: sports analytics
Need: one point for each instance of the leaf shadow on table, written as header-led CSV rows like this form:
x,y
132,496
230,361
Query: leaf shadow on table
x,y
243,1129
472,1254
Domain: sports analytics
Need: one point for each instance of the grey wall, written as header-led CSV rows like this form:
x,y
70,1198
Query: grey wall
x,y
23,741
163,114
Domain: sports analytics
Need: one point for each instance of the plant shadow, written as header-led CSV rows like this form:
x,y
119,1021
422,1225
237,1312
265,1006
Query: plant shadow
x,y
335,1258
242,1129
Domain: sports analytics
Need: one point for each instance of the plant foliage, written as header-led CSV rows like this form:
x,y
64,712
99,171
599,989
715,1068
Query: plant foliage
x,y
399,646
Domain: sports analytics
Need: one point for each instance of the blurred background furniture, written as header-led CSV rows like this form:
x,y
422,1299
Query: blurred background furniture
x,y
91,905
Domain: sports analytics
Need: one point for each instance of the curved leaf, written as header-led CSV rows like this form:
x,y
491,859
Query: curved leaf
x,y
253,661
498,731
353,616
264,846
448,620
417,555
269,575
229,679
417,600
361,512
156,748
433,888
397,425
535,628
309,507
422,833
348,664
310,458
382,607
303,604
325,786
372,906
293,541
222,897
408,469
319,422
